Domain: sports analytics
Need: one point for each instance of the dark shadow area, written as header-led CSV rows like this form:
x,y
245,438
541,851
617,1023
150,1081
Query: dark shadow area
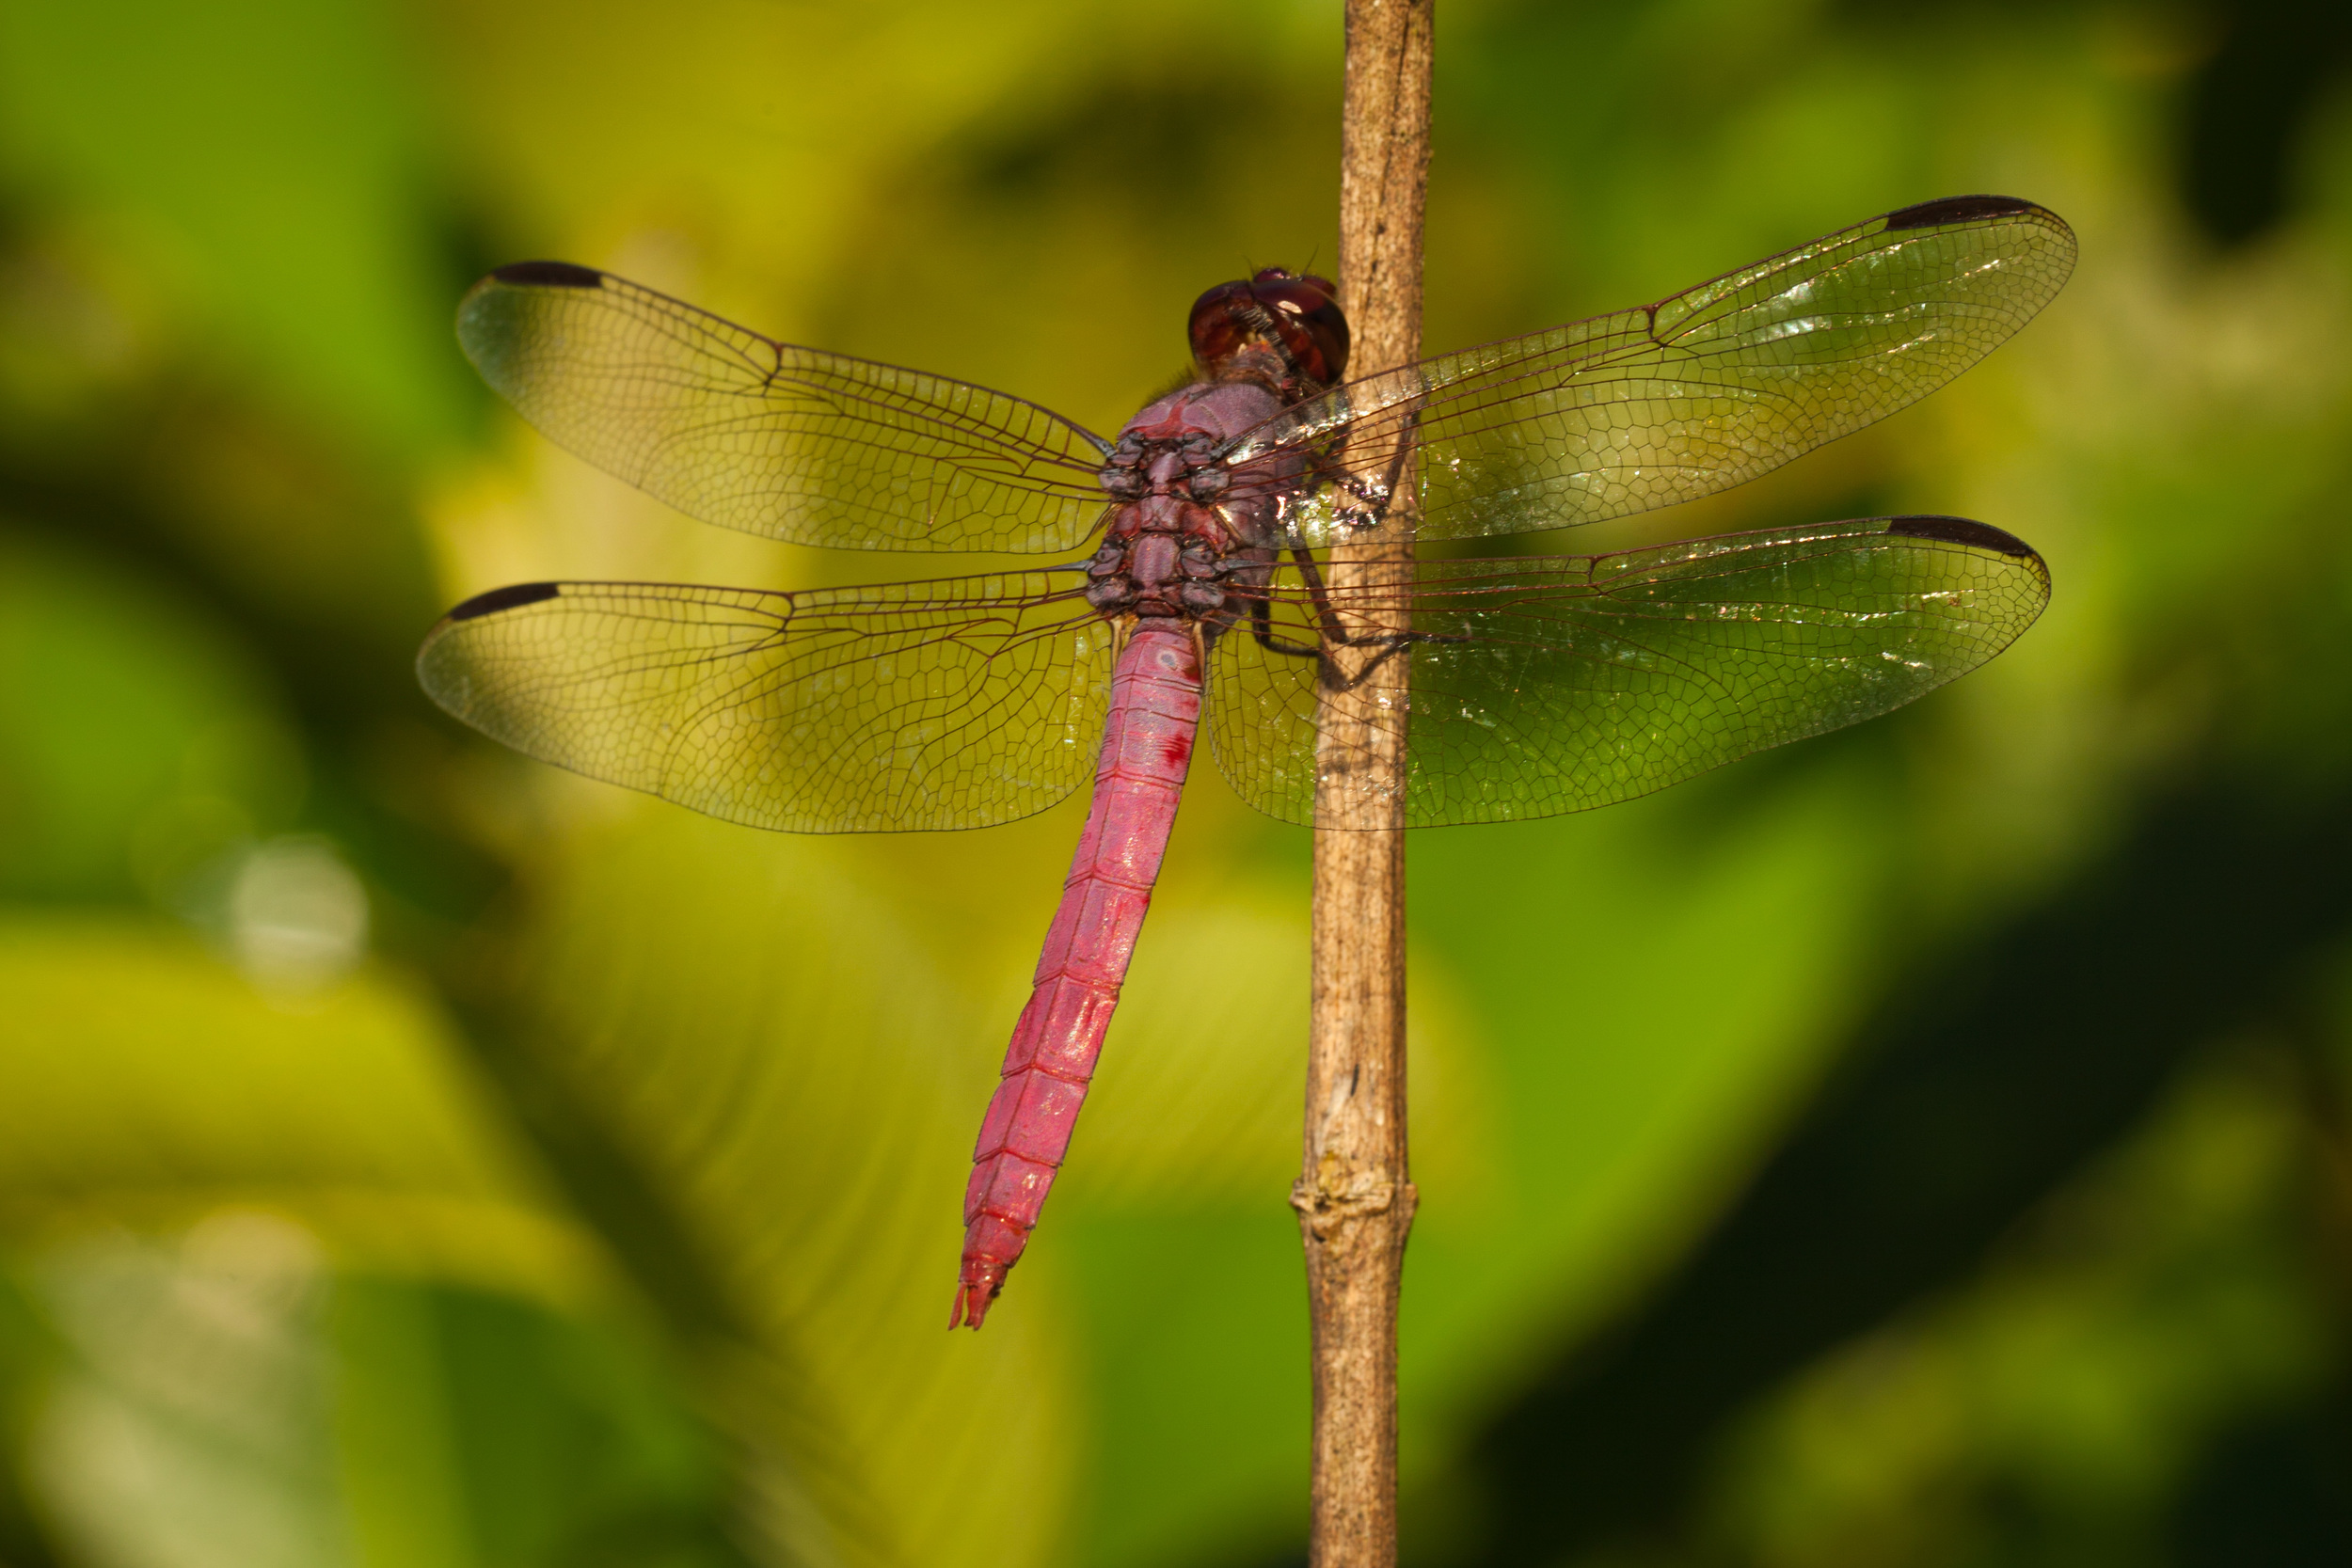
x,y
1975,1091
2263,70
2249,106
2273,1494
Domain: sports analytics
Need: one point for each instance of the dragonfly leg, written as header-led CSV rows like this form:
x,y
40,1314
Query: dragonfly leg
x,y
1261,628
1335,632
1389,646
1336,635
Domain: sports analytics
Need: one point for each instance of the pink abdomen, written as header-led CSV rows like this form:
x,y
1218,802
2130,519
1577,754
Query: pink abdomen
x,y
1147,745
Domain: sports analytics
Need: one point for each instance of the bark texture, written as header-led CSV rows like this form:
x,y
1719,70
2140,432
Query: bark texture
x,y
1355,1195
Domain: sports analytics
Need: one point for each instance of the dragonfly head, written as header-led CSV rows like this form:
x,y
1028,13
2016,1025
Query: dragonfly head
x,y
1281,327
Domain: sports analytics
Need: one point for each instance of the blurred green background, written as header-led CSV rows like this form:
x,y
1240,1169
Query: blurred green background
x,y
1926,1147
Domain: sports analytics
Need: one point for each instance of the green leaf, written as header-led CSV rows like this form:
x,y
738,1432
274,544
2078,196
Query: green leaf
x,y
264,162
149,1084
772,1049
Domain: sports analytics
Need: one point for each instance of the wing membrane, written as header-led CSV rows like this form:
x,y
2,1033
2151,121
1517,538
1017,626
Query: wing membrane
x,y
1711,387
955,703
750,433
1571,682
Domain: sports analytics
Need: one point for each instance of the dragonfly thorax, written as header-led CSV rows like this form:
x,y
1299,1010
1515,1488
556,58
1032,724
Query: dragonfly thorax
x,y
1188,527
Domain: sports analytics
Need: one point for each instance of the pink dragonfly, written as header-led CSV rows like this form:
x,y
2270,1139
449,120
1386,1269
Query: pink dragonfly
x,y
1539,685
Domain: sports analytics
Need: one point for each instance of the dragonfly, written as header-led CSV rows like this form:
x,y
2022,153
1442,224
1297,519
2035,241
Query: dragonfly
x,y
1189,580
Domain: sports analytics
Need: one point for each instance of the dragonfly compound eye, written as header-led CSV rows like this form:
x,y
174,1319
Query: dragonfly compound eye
x,y
1299,317
1222,324
1307,315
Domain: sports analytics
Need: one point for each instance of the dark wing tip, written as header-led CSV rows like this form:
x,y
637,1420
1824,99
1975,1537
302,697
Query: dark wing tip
x,y
1960,531
1960,209
512,596
553,275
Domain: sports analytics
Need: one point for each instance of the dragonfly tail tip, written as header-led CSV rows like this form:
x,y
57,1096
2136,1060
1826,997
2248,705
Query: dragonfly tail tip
x,y
971,1305
976,1293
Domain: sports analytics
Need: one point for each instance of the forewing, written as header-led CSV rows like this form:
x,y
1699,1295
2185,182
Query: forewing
x,y
954,703
751,434
1706,390
1556,684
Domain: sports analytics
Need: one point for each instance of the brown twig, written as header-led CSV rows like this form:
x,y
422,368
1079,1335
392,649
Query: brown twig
x,y
1355,1196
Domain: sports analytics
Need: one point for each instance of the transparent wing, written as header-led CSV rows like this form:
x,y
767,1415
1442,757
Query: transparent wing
x,y
1706,390
1556,684
750,433
954,703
